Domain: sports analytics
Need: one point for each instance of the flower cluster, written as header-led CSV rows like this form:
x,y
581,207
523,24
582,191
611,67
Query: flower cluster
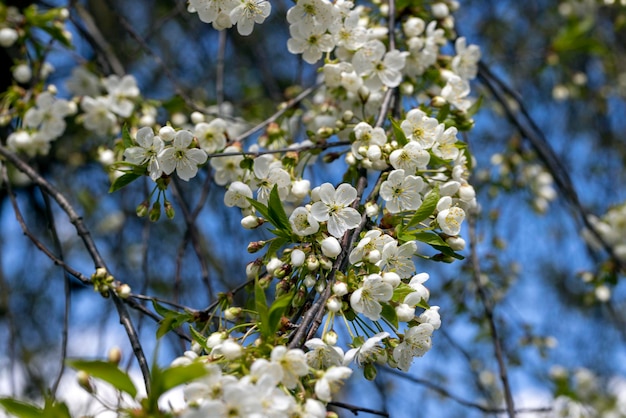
x,y
223,14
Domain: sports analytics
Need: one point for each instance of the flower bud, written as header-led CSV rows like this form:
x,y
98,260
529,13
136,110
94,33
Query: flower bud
x,y
299,298
155,212
392,278
167,133
256,246
325,263
84,381
309,280
340,289
232,313
371,209
115,355
300,188
8,36
124,291
282,288
331,247
273,265
333,304
253,269
197,117
330,337
169,209
312,263
230,349
251,222
142,209
22,73
369,371
350,160
456,243
405,313
297,258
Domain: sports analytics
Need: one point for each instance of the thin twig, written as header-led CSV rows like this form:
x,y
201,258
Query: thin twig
x,y
497,345
66,292
356,409
446,393
219,72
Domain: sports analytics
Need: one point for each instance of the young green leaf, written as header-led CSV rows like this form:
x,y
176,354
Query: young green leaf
x,y
389,313
20,409
108,372
123,181
398,132
127,141
276,311
277,215
426,209
260,303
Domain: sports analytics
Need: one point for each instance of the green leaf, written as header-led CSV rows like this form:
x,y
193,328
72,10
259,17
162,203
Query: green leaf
x,y
123,181
197,337
177,375
165,325
56,409
127,141
426,209
276,244
398,132
443,113
400,292
108,372
276,311
260,207
446,250
21,409
260,303
430,239
389,313
278,217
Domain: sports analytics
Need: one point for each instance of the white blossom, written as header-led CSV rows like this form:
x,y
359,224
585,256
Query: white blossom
x,y
181,158
366,299
146,153
401,192
334,208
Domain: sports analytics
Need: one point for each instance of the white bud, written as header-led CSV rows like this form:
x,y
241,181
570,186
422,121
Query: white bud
x,y
215,339
273,265
312,263
374,256
333,304
297,258
300,188
466,193
405,313
252,269
431,317
8,36
330,337
331,247
124,291
392,278
309,280
350,160
251,222
371,209
340,289
22,73
440,10
456,243
197,117
167,133
229,349
603,293
325,263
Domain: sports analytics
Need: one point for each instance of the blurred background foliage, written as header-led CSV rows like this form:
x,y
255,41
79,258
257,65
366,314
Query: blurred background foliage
x,y
561,335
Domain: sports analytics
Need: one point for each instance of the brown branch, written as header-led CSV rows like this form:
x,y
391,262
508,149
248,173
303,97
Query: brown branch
x,y
356,409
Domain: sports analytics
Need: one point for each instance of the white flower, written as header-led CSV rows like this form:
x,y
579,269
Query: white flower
x,y
300,188
293,363
402,193
410,158
269,172
417,341
120,91
302,222
310,41
350,35
456,91
465,63
249,12
331,247
48,116
83,83
209,10
379,68
334,208
369,352
366,299
421,128
331,382
370,247
181,158
230,349
146,153
398,259
227,168
310,13
98,118
367,137
322,355
211,136
237,195
420,292
449,217
444,146
431,316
